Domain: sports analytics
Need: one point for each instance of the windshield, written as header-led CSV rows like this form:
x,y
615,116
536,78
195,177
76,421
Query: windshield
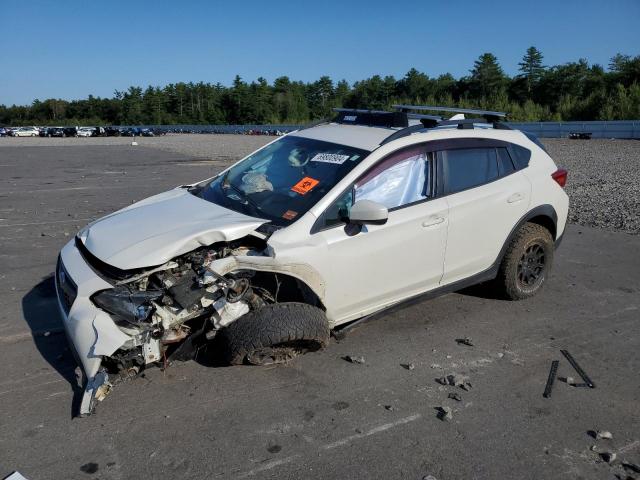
x,y
282,181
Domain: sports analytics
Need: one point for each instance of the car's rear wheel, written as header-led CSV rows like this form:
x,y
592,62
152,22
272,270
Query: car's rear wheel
x,y
526,263
275,333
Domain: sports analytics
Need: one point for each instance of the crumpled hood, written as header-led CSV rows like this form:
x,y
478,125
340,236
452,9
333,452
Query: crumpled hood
x,y
159,228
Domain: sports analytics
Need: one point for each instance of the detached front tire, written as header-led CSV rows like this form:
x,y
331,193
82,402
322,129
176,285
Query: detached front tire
x,y
526,263
275,333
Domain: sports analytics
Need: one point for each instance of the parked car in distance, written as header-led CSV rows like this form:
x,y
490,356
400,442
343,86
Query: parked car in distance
x,y
3,132
86,132
112,132
69,132
26,132
131,132
146,132
55,132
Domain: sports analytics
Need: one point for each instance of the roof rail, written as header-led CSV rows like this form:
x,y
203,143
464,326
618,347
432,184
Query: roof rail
x,y
489,115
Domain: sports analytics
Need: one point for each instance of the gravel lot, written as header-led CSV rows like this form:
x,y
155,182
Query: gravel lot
x,y
604,181
604,175
320,416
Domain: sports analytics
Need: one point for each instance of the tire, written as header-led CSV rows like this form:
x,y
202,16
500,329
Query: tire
x,y
526,263
275,333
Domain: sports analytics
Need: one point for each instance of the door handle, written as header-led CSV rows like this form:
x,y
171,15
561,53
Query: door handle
x,y
516,197
431,221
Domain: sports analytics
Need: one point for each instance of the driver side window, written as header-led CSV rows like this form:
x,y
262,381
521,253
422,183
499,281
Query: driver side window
x,y
404,177
400,179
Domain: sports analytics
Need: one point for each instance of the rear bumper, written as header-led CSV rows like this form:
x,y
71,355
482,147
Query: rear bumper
x,y
90,331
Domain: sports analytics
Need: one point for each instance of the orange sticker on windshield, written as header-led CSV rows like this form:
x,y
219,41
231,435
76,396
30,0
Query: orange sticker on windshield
x,y
289,215
305,185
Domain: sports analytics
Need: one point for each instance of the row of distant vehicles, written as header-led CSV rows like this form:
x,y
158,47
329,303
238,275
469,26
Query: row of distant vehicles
x,y
78,132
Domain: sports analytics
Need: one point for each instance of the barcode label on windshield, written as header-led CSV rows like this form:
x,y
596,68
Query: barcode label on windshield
x,y
330,158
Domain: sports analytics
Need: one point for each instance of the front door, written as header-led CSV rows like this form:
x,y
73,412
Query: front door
x,y
383,264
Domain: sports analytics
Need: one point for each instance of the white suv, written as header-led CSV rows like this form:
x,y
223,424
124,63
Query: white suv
x,y
316,229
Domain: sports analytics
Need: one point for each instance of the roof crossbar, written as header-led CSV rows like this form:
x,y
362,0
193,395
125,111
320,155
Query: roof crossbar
x,y
359,110
429,123
483,113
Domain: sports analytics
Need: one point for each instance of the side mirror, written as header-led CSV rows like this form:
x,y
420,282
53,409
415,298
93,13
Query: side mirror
x,y
368,212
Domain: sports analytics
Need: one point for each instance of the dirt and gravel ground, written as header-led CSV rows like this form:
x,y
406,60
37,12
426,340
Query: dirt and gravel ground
x,y
604,181
321,416
604,175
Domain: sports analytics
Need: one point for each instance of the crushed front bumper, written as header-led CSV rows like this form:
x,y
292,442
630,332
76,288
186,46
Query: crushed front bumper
x,y
91,332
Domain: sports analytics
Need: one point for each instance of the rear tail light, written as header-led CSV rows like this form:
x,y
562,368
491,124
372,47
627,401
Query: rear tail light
x,y
560,176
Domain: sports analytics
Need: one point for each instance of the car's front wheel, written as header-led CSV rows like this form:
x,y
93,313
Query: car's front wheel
x,y
275,333
526,263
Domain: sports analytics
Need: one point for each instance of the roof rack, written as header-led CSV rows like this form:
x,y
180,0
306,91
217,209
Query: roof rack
x,y
432,121
400,119
489,115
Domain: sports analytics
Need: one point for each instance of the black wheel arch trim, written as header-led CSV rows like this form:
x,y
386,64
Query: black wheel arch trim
x,y
544,210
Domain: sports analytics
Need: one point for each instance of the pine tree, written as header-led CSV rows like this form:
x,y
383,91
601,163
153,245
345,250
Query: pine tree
x,y
487,78
531,67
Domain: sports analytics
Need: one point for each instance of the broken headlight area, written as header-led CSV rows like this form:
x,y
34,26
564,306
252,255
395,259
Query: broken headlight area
x,y
172,311
125,305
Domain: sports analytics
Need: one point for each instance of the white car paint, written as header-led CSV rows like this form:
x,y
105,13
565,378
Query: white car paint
x,y
375,268
497,206
422,247
154,231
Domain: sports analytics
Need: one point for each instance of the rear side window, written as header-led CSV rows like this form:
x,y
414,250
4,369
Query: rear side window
x,y
467,168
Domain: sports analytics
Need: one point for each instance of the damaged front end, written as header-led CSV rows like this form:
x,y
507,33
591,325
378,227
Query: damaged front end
x,y
161,308
152,316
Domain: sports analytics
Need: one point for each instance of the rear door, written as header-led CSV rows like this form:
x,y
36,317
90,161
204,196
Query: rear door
x,y
486,197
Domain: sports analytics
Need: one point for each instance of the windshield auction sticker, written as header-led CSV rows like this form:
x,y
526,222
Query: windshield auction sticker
x,y
305,185
330,158
289,215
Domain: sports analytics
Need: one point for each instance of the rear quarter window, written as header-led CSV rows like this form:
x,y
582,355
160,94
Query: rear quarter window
x,y
520,156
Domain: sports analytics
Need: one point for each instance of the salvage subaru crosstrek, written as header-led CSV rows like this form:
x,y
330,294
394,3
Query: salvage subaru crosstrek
x,y
321,227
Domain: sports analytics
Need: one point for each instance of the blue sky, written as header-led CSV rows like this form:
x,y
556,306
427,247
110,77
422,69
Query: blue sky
x,y
70,49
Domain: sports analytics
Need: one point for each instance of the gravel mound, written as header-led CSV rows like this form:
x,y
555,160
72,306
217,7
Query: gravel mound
x,y
603,183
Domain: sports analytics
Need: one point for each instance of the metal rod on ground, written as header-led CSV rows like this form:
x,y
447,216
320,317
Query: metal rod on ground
x,y
551,379
577,368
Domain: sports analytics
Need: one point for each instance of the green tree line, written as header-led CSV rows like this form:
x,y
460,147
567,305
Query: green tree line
x,y
571,91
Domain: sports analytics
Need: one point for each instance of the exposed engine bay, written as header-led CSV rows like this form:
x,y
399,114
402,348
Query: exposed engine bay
x,y
171,311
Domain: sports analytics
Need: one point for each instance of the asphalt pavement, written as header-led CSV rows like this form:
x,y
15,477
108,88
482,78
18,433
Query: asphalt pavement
x,y
319,416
